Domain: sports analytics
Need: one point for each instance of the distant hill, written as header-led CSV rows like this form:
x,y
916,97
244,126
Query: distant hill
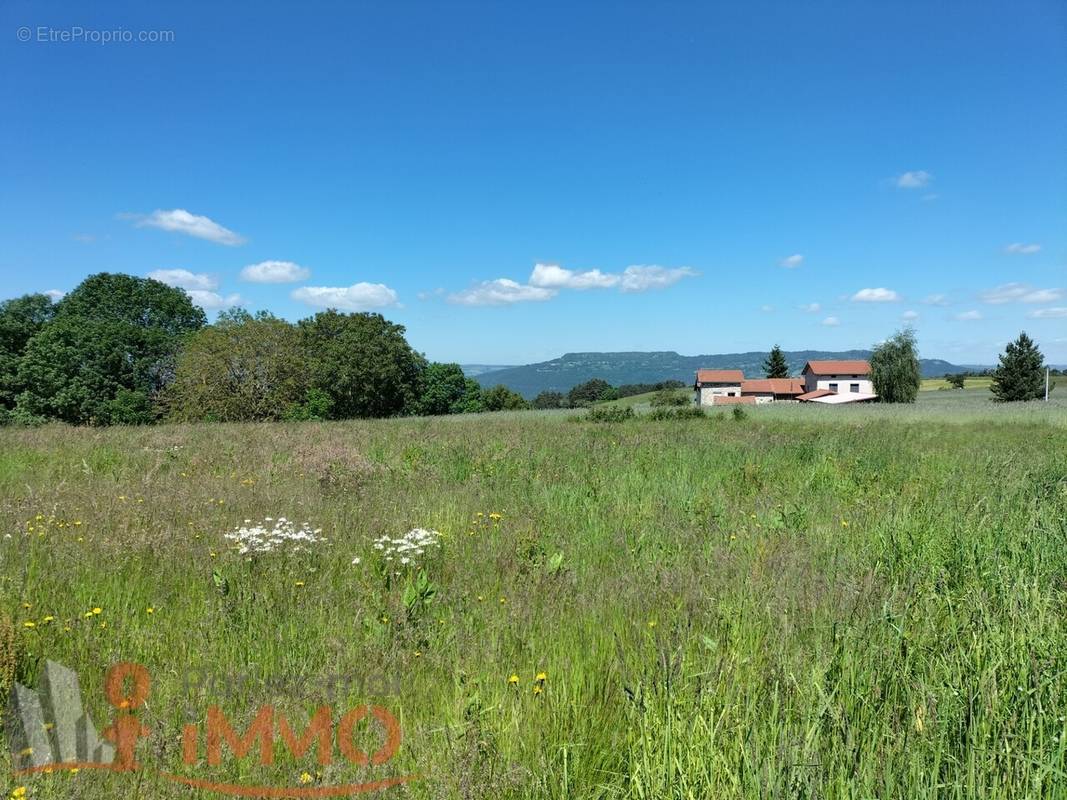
x,y
474,370
560,374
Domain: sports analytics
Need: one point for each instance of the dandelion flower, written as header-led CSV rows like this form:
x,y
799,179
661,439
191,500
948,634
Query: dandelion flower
x,y
150,610
98,610
541,677
29,624
537,689
299,583
305,777
513,679
49,618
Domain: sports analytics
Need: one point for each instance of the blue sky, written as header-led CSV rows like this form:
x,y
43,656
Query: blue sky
x,y
691,176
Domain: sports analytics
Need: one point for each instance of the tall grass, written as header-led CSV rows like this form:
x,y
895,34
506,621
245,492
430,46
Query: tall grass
x,y
808,603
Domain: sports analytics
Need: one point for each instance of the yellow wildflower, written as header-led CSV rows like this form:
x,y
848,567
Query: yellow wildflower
x,y
305,777
537,689
541,677
150,610
98,610
513,679
29,624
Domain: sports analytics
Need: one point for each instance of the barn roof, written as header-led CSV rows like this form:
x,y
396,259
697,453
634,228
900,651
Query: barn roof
x,y
733,376
774,386
815,395
727,400
856,367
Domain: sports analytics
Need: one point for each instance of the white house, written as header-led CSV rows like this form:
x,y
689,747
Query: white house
x,y
835,382
713,383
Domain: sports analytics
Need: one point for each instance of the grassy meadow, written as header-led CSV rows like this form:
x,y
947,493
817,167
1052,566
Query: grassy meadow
x,y
804,603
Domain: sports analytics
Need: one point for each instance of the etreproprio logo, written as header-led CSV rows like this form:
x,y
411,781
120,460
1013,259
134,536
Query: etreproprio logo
x,y
49,730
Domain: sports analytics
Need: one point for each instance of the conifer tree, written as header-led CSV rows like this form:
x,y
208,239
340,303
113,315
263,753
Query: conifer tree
x,y
1021,372
775,366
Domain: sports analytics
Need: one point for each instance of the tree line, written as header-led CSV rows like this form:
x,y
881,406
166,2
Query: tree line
x,y
126,350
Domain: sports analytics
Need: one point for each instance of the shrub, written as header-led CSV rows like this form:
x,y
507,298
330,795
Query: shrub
x,y
609,414
687,412
739,413
670,397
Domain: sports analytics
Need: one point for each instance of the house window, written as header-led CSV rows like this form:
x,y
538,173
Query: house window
x,y
854,387
833,387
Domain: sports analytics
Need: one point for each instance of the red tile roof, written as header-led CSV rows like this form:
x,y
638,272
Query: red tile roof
x,y
731,376
773,386
815,394
726,400
838,367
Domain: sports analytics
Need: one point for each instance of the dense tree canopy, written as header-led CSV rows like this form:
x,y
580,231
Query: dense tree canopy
x,y
1021,372
501,398
895,369
362,362
243,367
108,351
444,389
592,391
20,320
549,399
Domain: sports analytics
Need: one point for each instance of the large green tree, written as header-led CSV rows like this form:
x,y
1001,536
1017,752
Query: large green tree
x,y
895,369
1021,372
776,366
243,367
21,319
108,351
550,399
362,362
444,389
501,398
592,391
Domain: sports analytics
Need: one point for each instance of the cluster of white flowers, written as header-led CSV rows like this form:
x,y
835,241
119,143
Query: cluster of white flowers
x,y
406,548
274,534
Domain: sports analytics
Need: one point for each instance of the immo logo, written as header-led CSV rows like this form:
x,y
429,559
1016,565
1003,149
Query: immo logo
x,y
49,730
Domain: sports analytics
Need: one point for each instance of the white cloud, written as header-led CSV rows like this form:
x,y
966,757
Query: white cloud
x,y
55,294
500,292
357,297
185,279
275,272
212,300
179,220
766,309
1048,313
913,180
935,300
831,322
1022,249
910,316
553,276
969,316
1043,296
811,308
879,295
789,262
1020,293
641,278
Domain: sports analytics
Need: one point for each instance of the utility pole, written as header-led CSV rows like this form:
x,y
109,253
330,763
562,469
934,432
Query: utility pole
x,y
1046,384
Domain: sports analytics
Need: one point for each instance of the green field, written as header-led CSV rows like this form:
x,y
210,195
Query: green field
x,y
804,603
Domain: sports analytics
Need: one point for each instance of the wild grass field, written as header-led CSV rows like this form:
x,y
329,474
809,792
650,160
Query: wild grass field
x,y
805,603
